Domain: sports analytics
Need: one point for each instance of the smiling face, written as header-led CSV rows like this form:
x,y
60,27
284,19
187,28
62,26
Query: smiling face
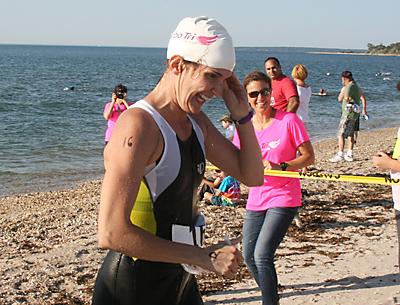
x,y
259,96
197,84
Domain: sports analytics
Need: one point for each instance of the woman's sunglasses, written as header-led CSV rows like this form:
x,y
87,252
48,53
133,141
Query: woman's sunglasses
x,y
263,92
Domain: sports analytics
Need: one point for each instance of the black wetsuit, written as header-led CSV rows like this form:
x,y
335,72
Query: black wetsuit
x,y
167,196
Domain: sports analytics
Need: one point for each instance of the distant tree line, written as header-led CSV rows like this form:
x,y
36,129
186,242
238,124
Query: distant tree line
x,y
393,48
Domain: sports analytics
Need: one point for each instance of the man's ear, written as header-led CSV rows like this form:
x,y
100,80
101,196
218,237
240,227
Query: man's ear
x,y
176,64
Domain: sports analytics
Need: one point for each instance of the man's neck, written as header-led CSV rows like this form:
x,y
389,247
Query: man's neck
x,y
279,77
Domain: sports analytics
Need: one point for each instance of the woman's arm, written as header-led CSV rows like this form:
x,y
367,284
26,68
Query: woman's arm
x,y
305,159
341,95
125,103
108,110
137,142
364,103
244,164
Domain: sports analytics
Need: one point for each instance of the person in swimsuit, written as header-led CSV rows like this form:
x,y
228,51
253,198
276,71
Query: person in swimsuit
x,y
155,161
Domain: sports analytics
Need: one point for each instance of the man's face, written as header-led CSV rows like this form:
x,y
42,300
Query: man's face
x,y
273,69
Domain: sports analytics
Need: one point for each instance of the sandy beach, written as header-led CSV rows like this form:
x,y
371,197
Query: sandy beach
x,y
345,252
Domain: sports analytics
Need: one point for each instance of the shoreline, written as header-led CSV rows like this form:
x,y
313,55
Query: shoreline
x,y
350,53
72,184
345,253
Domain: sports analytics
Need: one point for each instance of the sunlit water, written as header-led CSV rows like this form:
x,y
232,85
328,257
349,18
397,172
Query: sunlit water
x,y
52,137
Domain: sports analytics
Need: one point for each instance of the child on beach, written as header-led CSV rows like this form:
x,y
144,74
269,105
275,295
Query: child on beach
x,y
223,191
227,124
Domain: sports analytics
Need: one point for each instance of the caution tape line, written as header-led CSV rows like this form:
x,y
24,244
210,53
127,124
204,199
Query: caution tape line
x,y
328,176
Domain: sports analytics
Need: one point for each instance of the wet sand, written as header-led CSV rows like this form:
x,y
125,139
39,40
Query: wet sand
x,y
345,253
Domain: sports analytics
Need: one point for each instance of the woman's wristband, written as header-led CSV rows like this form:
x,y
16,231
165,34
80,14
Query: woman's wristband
x,y
244,119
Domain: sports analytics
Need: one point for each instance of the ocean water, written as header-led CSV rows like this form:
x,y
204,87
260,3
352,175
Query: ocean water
x,y
52,138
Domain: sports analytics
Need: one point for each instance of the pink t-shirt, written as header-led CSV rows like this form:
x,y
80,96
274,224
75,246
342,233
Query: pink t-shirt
x,y
278,143
282,90
118,109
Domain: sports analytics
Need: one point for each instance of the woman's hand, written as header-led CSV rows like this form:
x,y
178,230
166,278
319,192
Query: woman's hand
x,y
270,165
125,103
382,160
235,98
225,259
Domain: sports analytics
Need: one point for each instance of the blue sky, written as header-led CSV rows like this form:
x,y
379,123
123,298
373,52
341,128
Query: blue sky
x,y
146,23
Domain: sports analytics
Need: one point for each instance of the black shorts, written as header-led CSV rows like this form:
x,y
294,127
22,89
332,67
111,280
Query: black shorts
x,y
357,125
123,281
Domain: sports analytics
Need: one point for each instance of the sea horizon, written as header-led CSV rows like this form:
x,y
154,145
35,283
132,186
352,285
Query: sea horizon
x,y
280,48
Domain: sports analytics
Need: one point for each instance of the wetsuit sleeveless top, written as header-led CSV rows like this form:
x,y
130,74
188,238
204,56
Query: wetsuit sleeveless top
x,y
167,196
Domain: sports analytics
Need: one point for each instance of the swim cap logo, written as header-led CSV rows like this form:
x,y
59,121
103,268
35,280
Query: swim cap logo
x,y
207,40
191,37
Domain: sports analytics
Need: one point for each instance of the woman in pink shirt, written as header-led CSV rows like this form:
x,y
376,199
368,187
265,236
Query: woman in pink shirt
x,y
271,207
113,109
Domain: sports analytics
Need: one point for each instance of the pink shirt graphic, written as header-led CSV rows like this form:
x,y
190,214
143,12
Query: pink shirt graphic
x,y
278,143
118,109
282,89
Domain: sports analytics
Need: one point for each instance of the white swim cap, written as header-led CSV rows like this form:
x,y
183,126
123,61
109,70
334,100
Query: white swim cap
x,y
204,41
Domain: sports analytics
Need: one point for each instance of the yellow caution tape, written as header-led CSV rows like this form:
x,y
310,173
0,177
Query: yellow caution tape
x,y
329,176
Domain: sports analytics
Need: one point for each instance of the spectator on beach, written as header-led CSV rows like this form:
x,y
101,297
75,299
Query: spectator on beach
x,y
270,208
155,161
228,125
349,97
113,109
299,74
223,191
284,91
384,161
364,110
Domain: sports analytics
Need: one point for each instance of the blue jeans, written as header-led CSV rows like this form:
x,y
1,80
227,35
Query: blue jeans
x,y
263,231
